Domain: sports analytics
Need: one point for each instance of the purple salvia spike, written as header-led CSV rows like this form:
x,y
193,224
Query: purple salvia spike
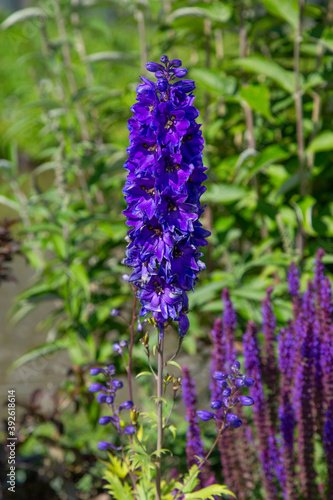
x,y
260,411
328,446
270,367
194,446
217,357
287,350
229,325
293,286
304,401
162,191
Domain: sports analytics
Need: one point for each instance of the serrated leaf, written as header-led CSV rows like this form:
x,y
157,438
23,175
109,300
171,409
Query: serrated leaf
x,y
23,15
209,493
258,98
285,9
263,66
116,488
323,142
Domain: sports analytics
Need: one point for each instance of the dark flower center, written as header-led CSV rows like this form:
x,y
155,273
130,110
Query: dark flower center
x,y
158,289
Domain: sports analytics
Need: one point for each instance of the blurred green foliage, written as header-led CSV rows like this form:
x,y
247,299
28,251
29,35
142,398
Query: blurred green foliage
x,y
263,71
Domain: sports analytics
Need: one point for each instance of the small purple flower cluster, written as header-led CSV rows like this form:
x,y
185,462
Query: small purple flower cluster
x,y
106,393
231,386
163,190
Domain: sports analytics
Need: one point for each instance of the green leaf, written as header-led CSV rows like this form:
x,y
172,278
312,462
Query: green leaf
x,y
78,272
174,363
109,56
268,156
209,493
118,490
285,9
263,66
214,81
190,480
304,209
224,193
23,15
258,98
13,205
144,373
323,142
40,351
59,245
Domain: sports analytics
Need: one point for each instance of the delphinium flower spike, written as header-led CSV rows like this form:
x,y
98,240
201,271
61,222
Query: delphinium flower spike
x,y
163,189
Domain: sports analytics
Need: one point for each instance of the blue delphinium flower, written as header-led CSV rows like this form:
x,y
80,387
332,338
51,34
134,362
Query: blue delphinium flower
x,y
163,189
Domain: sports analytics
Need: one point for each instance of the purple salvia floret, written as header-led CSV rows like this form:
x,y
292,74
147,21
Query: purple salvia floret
x,y
260,411
194,446
287,345
304,399
229,319
163,190
270,367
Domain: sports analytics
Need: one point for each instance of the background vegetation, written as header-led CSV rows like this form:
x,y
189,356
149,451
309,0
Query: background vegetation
x,y
68,74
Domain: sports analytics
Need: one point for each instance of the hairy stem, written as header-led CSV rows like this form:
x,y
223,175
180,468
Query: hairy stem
x,y
159,414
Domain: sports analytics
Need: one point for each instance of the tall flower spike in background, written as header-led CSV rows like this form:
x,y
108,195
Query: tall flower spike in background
x,y
163,189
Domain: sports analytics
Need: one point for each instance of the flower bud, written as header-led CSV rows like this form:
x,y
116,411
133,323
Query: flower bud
x,y
176,383
220,375
109,400
248,382
111,370
205,415
129,430
240,382
104,420
216,404
117,384
222,384
231,417
127,405
139,327
96,387
226,392
95,371
180,72
175,63
123,343
236,423
135,416
101,398
115,312
235,366
160,74
153,67
104,445
125,277
145,340
245,400
162,84
164,59
116,347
